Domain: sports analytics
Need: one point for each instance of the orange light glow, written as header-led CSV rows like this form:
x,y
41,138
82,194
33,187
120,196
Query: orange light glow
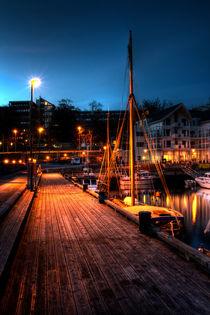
x,y
13,162
20,161
65,154
104,147
185,202
47,157
79,128
29,159
194,209
145,150
83,152
6,161
40,129
34,160
15,131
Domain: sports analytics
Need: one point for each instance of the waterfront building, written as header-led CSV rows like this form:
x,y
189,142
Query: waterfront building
x,y
178,135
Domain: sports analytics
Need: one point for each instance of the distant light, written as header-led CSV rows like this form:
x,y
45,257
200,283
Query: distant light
x,y
0,143
40,129
35,82
65,154
34,160
104,148
20,161
47,157
83,152
13,162
29,159
11,143
145,150
6,161
15,131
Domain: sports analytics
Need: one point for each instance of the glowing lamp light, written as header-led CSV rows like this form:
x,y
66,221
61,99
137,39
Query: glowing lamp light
x,y
47,157
15,131
6,161
79,128
20,161
83,153
65,154
13,162
35,82
104,148
40,129
34,160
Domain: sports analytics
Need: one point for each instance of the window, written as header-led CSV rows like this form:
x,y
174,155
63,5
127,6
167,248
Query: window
x,y
168,132
139,134
168,121
168,143
140,144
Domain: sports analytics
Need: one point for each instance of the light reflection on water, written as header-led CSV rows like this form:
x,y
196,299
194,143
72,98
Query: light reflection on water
x,y
195,206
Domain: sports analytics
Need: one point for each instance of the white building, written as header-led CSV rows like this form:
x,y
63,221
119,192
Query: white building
x,y
178,135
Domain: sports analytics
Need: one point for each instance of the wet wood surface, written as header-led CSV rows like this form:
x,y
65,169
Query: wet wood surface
x,y
77,256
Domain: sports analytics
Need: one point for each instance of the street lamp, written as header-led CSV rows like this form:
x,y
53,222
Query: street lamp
x,y
79,128
40,130
15,132
35,82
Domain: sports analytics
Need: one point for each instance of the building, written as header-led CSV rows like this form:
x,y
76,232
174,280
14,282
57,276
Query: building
x,y
42,112
45,110
21,110
176,134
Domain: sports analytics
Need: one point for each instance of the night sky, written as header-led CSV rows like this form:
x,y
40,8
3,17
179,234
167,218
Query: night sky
x,y
79,50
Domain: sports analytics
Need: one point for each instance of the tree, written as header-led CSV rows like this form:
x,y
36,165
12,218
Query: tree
x,y
156,105
64,122
95,106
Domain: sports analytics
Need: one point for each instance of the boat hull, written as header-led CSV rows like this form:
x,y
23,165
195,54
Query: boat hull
x,y
202,183
125,184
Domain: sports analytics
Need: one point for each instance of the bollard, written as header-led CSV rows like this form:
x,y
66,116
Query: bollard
x,y
144,221
101,196
85,187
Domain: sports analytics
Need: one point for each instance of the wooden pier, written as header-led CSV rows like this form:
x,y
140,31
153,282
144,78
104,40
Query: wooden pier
x,y
77,256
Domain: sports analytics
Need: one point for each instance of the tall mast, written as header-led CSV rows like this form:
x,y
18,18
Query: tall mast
x,y
131,100
107,148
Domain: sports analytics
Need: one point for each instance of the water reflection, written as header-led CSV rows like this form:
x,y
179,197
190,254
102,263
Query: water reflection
x,y
194,205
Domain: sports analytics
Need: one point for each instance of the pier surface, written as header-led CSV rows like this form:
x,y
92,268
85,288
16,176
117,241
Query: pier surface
x,y
77,256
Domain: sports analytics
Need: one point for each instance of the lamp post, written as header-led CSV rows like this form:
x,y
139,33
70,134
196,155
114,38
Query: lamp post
x,y
40,130
35,82
15,132
79,130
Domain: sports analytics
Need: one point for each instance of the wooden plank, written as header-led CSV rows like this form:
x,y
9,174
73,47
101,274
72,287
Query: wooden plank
x,y
81,257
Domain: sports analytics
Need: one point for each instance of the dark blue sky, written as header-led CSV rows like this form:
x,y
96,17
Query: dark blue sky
x,y
79,50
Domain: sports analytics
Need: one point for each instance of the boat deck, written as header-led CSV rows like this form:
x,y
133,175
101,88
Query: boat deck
x,y
77,256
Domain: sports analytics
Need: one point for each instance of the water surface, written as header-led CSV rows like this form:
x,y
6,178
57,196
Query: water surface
x,y
195,206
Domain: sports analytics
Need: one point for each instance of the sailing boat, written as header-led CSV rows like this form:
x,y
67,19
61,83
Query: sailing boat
x,y
168,219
